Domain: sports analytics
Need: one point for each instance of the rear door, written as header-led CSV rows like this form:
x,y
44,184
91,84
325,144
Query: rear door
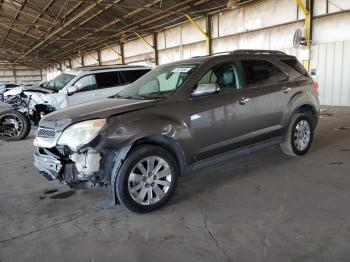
x,y
270,94
221,121
108,84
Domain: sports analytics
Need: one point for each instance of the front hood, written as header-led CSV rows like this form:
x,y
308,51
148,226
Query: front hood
x,y
37,89
100,109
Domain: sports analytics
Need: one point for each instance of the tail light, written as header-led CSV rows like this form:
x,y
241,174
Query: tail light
x,y
315,84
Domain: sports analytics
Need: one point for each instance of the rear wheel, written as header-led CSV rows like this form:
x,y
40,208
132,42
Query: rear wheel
x,y
147,179
299,135
14,126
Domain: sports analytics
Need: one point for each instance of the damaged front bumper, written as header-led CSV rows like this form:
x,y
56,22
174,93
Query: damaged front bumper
x,y
48,164
74,169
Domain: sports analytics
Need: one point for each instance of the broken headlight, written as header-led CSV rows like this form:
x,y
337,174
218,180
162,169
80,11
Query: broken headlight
x,y
81,133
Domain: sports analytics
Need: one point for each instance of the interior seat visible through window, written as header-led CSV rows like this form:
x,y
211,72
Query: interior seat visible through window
x,y
228,80
225,75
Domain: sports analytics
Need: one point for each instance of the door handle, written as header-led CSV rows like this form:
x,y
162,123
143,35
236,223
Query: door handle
x,y
243,101
286,90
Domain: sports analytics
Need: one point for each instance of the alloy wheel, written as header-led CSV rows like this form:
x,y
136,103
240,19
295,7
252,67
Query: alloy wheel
x,y
302,135
149,180
12,125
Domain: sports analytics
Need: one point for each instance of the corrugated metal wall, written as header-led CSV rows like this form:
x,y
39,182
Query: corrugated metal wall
x,y
332,64
267,24
20,74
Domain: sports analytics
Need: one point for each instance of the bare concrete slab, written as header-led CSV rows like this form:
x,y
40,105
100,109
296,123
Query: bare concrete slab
x,y
261,207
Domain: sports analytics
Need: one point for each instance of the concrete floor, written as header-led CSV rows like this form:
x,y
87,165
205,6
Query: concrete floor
x,y
262,207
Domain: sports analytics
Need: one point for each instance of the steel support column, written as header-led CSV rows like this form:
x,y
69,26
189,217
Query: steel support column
x,y
93,58
155,48
79,62
209,34
122,55
205,34
119,54
308,12
99,57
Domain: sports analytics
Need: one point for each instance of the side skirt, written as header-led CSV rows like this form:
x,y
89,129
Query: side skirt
x,y
234,153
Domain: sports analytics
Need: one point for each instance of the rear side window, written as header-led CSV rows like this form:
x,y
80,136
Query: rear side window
x,y
108,79
296,65
261,72
132,75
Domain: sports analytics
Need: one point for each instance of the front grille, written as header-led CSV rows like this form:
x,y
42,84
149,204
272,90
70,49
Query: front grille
x,y
47,133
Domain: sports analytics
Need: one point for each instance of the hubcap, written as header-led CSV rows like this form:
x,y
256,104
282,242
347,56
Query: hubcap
x,y
12,125
302,135
149,180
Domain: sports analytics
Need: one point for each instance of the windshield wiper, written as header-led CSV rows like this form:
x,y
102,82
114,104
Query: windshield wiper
x,y
154,97
157,95
137,97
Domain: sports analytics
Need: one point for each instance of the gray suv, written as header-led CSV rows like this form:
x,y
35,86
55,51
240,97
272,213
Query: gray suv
x,y
180,117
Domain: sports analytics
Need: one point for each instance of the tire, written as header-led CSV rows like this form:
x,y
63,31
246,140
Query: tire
x,y
21,120
130,189
298,144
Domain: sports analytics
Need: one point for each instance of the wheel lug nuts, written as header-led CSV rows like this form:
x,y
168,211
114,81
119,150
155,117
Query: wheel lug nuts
x,y
146,185
153,184
154,177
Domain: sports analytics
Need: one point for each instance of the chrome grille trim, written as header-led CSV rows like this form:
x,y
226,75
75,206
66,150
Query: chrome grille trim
x,y
47,133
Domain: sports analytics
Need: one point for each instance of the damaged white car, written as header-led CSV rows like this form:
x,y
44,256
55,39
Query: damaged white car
x,y
72,87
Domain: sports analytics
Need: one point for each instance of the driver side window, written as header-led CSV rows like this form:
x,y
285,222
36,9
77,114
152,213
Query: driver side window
x,y
226,76
86,83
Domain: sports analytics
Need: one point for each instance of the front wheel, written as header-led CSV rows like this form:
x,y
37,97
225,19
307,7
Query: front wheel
x,y
299,135
14,126
147,179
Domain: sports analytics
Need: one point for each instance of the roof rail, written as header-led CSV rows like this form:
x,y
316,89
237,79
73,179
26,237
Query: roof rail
x,y
219,53
258,51
245,51
113,66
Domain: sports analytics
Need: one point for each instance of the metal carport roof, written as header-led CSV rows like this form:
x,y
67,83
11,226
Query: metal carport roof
x,y
38,32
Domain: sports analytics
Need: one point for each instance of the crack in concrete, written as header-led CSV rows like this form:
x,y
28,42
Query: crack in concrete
x,y
205,219
42,229
275,219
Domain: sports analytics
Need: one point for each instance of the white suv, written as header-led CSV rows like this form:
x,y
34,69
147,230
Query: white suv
x,y
86,84
72,87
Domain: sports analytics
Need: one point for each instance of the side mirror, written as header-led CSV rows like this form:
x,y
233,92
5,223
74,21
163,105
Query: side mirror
x,y
71,90
205,89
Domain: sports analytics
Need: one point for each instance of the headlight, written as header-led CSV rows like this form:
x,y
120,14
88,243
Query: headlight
x,y
81,133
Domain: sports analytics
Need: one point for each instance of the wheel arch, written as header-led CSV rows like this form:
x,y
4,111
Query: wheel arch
x,y
302,102
168,144
309,110
165,142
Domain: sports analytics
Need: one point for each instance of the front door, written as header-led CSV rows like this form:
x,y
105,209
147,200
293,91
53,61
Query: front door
x,y
223,120
86,92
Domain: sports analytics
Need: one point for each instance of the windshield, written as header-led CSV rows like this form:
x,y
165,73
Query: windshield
x,y
158,83
59,82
